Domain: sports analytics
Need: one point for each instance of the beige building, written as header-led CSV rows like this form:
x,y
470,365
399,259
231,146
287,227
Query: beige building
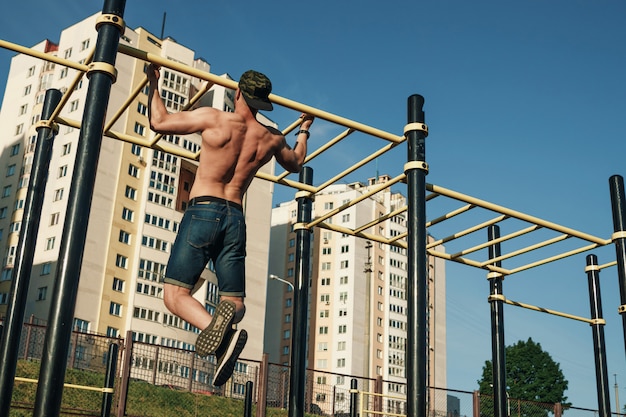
x,y
138,201
358,308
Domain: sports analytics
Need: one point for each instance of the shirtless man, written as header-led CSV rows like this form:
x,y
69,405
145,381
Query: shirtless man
x,y
234,147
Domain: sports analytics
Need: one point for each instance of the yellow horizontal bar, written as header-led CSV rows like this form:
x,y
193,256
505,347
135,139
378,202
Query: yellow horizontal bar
x,y
466,231
450,215
517,214
42,55
554,258
548,311
528,248
159,60
83,387
360,198
608,265
469,262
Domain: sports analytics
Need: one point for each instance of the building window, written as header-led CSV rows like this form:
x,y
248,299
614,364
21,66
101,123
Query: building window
x,y
124,237
345,218
67,53
50,243
74,106
27,89
142,109
66,149
140,129
341,363
15,150
31,71
341,345
3,212
63,73
326,251
115,309
19,129
54,218
41,293
81,325
11,170
343,296
84,44
62,171
127,214
6,191
342,329
323,330
344,264
286,334
46,268
328,205
121,261
23,109
343,280
326,266
112,332
130,193
118,284
58,195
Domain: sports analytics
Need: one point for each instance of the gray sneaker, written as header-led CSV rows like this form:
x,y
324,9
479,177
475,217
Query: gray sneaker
x,y
213,336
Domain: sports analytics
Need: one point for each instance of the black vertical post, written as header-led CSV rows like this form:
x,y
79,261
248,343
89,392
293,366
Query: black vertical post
x,y
597,328
417,330
14,321
354,398
60,319
297,378
247,404
618,205
109,380
496,300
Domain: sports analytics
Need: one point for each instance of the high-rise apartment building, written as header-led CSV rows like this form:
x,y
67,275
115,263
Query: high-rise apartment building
x,y
138,201
358,294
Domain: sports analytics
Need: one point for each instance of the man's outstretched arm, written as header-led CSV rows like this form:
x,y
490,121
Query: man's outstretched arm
x,y
162,121
293,159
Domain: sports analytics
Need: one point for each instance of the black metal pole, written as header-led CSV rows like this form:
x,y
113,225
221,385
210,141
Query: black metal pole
x,y
496,300
60,319
14,321
597,328
417,331
618,205
297,378
247,404
109,380
354,398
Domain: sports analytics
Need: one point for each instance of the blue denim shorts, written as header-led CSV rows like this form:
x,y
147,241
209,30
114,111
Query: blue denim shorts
x,y
213,230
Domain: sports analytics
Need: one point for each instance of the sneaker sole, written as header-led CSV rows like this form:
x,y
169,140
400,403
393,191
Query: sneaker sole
x,y
211,337
226,367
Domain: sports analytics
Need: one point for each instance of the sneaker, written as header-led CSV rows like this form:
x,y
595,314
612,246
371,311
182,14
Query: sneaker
x,y
212,337
227,358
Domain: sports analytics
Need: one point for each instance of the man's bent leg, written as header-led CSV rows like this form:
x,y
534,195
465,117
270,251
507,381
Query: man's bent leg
x,y
240,307
179,301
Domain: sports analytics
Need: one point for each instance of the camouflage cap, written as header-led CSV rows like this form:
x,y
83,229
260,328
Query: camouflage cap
x,y
256,89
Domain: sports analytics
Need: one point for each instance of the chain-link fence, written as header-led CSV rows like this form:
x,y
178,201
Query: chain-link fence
x,y
178,382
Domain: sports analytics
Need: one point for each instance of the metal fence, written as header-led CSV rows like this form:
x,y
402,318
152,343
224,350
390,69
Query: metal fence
x,y
182,371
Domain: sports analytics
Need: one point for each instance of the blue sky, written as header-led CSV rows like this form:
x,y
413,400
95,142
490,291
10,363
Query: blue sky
x,y
525,103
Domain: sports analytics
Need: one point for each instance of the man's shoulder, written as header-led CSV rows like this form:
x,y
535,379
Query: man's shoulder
x,y
273,130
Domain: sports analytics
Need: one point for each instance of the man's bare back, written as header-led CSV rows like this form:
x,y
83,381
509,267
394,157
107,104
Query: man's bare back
x,y
234,145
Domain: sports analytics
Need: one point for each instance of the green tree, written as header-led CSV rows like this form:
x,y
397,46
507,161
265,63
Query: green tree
x,y
531,375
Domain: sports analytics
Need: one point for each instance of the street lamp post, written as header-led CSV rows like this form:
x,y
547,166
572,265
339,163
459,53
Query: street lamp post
x,y
284,281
